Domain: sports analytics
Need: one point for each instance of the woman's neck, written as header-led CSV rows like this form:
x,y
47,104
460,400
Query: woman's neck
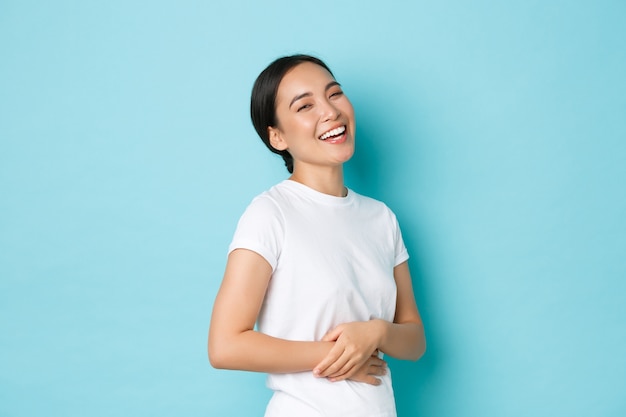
x,y
328,181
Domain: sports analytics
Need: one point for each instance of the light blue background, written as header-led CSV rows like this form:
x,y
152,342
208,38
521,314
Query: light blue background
x,y
495,130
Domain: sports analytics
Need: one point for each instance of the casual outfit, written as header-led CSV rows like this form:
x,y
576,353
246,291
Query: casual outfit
x,y
332,262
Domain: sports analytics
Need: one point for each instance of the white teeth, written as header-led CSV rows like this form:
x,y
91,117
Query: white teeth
x,y
334,132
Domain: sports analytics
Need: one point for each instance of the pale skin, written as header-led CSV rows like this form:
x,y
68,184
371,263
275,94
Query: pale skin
x,y
309,103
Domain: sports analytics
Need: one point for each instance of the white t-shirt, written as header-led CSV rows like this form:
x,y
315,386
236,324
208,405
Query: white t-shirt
x,y
332,260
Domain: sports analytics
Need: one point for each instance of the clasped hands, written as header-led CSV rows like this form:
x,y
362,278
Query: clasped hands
x,y
355,353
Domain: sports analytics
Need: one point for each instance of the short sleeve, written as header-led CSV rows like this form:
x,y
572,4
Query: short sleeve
x,y
400,252
261,230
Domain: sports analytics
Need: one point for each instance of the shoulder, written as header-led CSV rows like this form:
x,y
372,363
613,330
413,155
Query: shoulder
x,y
372,204
265,205
261,228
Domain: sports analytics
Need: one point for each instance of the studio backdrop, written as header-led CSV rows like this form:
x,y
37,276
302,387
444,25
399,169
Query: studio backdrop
x,y
495,130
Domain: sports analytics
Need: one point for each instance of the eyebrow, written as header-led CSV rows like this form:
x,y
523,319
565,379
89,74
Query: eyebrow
x,y
308,94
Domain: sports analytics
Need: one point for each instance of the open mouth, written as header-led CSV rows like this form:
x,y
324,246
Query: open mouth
x,y
334,133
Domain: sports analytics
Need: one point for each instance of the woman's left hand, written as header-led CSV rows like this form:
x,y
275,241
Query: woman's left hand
x,y
355,342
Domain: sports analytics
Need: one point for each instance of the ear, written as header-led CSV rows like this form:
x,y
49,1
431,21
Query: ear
x,y
276,139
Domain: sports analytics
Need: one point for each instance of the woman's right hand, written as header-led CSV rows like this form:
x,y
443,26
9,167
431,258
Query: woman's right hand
x,y
370,370
355,342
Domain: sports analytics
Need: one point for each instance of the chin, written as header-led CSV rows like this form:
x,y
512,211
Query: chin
x,y
345,157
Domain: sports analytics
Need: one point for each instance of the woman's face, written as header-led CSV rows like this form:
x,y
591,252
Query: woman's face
x,y
315,119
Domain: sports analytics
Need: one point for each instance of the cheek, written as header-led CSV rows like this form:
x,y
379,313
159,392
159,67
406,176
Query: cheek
x,y
301,125
293,124
348,110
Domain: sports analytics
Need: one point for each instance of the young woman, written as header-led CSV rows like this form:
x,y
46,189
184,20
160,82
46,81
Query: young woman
x,y
319,268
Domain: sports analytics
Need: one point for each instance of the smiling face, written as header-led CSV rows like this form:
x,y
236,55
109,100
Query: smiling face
x,y
315,119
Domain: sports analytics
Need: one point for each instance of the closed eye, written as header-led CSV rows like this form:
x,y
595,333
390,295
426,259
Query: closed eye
x,y
304,107
337,94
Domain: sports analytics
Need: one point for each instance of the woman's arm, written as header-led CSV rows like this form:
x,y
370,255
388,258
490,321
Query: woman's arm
x,y
233,342
402,339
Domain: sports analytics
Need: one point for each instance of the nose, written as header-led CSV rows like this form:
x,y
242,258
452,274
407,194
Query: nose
x,y
329,111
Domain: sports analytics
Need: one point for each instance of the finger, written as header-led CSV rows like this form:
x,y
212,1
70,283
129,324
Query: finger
x,y
344,372
351,366
373,381
332,335
330,363
377,370
373,365
368,379
376,361
341,366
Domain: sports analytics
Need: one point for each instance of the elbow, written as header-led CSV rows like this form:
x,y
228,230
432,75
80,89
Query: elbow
x,y
217,357
416,354
217,351
419,352
420,345
225,351
215,360
224,354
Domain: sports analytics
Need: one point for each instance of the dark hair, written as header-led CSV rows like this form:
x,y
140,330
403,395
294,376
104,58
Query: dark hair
x,y
263,99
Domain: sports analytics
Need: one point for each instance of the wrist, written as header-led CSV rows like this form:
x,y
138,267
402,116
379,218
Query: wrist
x,y
380,330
